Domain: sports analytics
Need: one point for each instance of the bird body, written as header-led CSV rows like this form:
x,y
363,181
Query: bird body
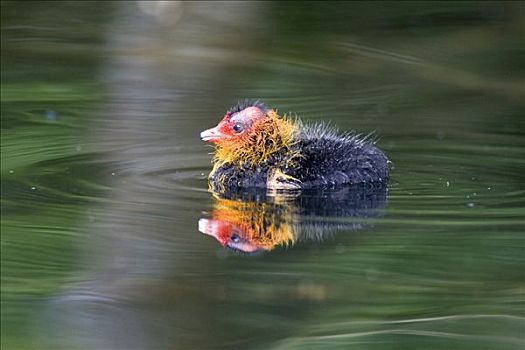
x,y
258,148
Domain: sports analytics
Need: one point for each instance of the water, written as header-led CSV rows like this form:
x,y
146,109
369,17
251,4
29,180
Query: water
x,y
104,175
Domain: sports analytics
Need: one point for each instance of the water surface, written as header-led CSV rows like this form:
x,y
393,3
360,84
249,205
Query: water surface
x,y
104,175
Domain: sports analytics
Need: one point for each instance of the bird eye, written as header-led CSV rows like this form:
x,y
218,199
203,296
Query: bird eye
x,y
235,238
237,128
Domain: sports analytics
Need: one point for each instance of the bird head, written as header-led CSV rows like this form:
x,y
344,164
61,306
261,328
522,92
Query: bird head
x,y
238,123
230,235
249,133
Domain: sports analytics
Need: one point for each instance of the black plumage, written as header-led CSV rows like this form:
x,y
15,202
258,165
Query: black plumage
x,y
327,160
241,105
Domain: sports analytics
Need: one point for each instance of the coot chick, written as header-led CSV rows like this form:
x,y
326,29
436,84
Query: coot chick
x,y
254,221
257,148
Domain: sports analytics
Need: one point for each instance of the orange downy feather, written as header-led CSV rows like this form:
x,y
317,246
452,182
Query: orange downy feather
x,y
261,222
268,136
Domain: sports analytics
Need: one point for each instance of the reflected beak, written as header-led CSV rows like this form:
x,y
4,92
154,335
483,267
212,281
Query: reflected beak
x,y
211,135
208,227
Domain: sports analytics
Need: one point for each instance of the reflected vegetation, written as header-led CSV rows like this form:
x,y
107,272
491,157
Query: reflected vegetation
x,y
252,221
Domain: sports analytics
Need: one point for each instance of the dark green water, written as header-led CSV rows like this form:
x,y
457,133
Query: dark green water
x,y
103,175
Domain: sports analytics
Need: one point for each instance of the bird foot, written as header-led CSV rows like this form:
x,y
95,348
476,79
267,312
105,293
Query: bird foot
x,y
277,180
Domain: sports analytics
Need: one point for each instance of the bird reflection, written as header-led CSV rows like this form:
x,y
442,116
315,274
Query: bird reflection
x,y
255,220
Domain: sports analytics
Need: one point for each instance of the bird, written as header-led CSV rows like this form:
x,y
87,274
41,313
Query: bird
x,y
252,221
257,148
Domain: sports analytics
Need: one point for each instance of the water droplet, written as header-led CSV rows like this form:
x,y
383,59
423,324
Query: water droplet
x,y
471,205
33,188
51,115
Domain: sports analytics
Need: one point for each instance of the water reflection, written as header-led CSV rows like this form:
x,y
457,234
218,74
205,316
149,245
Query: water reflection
x,y
255,221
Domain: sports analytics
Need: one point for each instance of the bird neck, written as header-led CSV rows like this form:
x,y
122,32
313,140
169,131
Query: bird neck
x,y
267,137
